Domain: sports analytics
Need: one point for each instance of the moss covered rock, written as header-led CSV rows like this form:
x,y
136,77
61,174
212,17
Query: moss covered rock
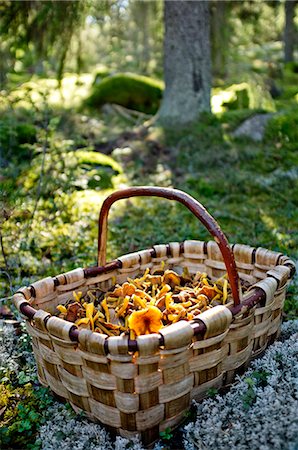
x,y
239,96
247,95
132,91
72,171
100,74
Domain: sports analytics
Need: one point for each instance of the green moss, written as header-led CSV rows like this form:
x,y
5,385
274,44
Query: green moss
x,y
132,91
95,159
232,119
71,170
283,128
239,96
289,91
14,133
26,133
252,94
100,74
291,67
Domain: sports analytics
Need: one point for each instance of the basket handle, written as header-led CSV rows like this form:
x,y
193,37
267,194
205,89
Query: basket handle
x,y
193,205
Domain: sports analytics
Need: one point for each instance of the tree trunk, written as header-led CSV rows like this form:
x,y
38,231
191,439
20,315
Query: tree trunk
x,y
141,16
289,32
187,66
219,37
145,36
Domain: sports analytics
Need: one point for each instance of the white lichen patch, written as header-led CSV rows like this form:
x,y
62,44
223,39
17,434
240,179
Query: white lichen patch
x,y
64,430
260,411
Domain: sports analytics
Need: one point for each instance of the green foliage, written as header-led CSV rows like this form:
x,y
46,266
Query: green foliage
x,y
289,92
166,434
291,67
232,119
129,90
212,392
15,133
23,403
291,302
37,28
283,129
258,378
24,414
70,170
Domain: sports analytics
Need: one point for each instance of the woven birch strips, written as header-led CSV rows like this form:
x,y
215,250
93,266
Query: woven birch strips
x,y
144,386
146,392
143,393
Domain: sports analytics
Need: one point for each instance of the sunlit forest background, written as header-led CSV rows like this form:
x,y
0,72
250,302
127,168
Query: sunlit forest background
x,y
81,84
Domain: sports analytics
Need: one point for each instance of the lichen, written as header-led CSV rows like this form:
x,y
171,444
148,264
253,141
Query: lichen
x,y
266,420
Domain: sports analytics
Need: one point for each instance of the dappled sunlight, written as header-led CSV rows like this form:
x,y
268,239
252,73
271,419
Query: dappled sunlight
x,y
284,239
73,89
219,97
88,201
252,94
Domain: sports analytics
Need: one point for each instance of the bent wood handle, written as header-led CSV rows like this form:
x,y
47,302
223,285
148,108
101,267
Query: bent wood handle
x,y
193,205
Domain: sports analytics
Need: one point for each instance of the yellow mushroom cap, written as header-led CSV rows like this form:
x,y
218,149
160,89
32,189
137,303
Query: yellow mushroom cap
x,y
145,321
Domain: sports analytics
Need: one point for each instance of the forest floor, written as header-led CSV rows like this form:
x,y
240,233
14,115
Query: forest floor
x,y
59,165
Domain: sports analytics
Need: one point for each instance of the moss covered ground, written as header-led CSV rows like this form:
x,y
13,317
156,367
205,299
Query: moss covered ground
x,y
58,164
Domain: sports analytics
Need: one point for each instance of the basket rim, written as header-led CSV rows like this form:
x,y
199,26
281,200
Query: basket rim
x,y
251,298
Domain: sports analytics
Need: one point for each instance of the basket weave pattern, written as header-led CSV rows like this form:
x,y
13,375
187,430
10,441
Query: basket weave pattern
x,y
145,392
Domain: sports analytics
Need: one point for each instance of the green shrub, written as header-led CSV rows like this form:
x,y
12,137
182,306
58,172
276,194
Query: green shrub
x,y
283,128
291,67
289,91
132,91
14,135
24,414
290,74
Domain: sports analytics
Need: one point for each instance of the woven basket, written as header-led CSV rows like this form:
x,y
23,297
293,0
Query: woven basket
x,y
144,386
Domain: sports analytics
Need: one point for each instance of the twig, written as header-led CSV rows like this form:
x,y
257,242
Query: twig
x,y
130,114
3,251
38,191
5,298
9,279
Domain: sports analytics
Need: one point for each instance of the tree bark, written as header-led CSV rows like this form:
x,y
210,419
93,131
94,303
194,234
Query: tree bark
x,y
187,66
141,16
220,31
145,36
289,31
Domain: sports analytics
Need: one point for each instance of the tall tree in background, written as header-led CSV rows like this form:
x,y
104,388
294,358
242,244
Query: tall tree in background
x,y
141,14
220,36
187,66
289,31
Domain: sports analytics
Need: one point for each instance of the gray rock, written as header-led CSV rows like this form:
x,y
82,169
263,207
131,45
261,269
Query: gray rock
x,y
253,127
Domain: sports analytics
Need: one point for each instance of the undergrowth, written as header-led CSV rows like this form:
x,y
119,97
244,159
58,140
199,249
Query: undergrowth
x,y
59,165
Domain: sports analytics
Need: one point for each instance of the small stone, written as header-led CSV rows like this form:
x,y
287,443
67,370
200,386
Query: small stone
x,y
253,127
